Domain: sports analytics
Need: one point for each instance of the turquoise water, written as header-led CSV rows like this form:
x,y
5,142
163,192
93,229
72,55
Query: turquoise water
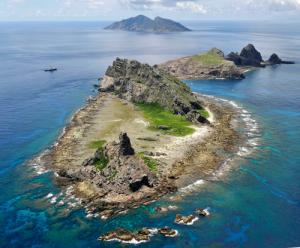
x,y
256,205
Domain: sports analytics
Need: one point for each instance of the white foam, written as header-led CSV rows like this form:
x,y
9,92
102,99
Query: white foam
x,y
192,186
49,196
174,235
132,241
189,223
53,200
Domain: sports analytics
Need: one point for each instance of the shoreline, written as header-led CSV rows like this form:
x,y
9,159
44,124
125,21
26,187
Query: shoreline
x,y
181,178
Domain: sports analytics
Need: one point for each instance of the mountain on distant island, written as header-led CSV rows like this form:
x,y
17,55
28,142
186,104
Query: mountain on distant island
x,y
142,23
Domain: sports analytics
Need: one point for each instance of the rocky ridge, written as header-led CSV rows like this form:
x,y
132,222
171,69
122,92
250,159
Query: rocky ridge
x,y
114,168
137,82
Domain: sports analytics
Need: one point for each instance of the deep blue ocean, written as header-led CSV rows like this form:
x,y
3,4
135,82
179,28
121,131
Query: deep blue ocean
x,y
257,204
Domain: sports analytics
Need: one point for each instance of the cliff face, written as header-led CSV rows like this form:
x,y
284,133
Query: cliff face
x,y
137,82
142,23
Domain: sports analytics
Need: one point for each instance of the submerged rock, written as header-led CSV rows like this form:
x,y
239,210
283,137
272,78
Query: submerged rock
x,y
164,209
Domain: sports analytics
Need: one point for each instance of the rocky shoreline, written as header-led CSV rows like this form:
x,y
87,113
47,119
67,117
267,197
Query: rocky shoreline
x,y
126,181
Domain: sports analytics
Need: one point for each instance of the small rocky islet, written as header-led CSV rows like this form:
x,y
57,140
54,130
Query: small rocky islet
x,y
214,64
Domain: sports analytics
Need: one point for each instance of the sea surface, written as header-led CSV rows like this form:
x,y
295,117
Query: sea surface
x,y
254,202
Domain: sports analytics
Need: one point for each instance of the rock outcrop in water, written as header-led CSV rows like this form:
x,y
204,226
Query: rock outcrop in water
x,y
137,82
142,23
275,60
249,56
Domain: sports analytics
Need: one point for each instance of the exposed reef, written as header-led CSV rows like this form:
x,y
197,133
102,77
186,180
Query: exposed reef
x,y
141,236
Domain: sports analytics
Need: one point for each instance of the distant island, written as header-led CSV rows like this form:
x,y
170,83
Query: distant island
x,y
215,65
143,23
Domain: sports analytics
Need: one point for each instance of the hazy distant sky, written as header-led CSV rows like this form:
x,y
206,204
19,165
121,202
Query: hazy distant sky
x,y
280,10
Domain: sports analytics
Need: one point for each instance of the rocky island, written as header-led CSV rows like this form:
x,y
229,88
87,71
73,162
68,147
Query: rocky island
x,y
215,65
143,23
143,136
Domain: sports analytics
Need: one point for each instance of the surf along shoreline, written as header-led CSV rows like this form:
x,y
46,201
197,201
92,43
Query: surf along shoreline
x,y
182,160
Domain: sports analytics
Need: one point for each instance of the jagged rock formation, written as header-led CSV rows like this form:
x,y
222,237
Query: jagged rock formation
x,y
142,23
249,56
211,65
137,82
121,170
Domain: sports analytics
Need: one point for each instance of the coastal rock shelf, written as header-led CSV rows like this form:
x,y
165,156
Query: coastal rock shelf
x,y
144,135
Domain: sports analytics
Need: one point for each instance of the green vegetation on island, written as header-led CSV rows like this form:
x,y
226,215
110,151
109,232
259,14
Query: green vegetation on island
x,y
150,162
204,113
100,161
210,58
165,121
97,144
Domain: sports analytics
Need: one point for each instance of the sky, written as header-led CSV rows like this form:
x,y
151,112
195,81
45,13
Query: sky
x,y
60,10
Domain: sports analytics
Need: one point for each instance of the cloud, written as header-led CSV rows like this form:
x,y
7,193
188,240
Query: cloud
x,y
191,6
273,5
171,5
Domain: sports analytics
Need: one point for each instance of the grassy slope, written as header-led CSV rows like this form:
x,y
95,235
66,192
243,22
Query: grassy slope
x,y
101,163
210,58
158,116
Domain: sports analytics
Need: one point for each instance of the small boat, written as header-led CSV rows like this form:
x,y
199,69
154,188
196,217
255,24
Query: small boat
x,y
50,70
